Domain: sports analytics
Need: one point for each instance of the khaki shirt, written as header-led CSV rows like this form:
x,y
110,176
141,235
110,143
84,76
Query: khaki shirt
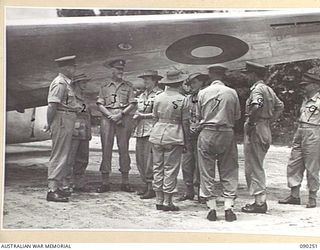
x,y
145,106
116,95
171,110
218,105
310,110
266,98
82,127
61,92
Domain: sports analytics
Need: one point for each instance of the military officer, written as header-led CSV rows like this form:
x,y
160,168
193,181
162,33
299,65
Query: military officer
x,y
305,154
115,102
145,122
79,153
61,117
189,161
218,108
167,136
262,107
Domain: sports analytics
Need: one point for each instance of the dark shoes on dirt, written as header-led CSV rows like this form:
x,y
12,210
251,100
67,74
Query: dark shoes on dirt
x,y
148,195
255,208
127,188
229,215
290,200
56,197
186,197
170,208
103,188
311,203
212,215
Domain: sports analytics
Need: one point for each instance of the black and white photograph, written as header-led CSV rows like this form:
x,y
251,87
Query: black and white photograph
x,y
162,120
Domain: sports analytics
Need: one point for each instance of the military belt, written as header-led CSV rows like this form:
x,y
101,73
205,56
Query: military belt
x,y
67,111
308,125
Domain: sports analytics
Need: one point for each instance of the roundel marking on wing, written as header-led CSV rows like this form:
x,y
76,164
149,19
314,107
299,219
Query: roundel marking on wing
x,y
206,49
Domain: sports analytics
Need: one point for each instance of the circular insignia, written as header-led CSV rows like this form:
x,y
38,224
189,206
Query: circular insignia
x,y
206,49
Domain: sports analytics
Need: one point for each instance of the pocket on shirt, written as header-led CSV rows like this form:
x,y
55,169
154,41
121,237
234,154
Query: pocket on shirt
x,y
124,96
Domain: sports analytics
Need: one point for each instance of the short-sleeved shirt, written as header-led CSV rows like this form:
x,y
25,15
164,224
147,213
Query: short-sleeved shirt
x,y
170,110
82,127
61,92
116,95
266,98
145,106
218,105
310,110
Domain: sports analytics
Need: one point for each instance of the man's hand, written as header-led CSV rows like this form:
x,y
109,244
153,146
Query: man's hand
x,y
116,117
137,115
249,128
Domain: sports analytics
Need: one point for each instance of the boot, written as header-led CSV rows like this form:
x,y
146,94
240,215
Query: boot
x,y
167,204
149,194
143,191
189,195
159,200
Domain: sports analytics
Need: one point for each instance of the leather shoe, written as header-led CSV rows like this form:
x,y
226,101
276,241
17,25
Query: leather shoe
x,y
148,195
66,192
311,203
56,197
159,207
170,208
255,208
186,197
229,215
126,188
103,188
212,215
142,191
290,200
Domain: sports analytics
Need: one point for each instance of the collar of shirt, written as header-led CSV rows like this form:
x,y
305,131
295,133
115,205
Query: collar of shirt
x,y
217,82
112,82
154,90
314,98
255,85
68,80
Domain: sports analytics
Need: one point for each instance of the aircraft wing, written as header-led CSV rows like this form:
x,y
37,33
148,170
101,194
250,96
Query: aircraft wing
x,y
188,41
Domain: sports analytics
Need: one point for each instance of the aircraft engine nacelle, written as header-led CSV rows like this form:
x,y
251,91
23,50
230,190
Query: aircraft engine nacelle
x,y
27,126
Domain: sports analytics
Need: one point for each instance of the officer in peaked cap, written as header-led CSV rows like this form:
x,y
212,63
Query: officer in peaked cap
x,y
262,107
167,136
62,107
79,153
189,161
116,100
145,122
306,143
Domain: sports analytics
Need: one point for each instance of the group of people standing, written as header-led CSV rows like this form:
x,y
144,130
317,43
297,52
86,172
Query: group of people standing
x,y
173,130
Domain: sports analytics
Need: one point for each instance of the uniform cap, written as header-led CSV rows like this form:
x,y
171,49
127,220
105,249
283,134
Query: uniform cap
x,y
66,61
200,76
254,67
174,76
152,73
116,63
217,66
81,77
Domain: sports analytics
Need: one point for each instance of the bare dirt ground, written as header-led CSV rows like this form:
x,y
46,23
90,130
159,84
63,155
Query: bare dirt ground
x,y
25,206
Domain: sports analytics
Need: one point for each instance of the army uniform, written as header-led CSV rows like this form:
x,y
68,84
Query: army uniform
x,y
167,136
79,153
189,161
218,108
115,97
142,133
258,140
305,154
62,93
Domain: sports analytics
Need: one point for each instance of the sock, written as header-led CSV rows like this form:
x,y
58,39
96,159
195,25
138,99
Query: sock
x,y
212,204
228,203
260,199
159,197
125,178
105,179
295,191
